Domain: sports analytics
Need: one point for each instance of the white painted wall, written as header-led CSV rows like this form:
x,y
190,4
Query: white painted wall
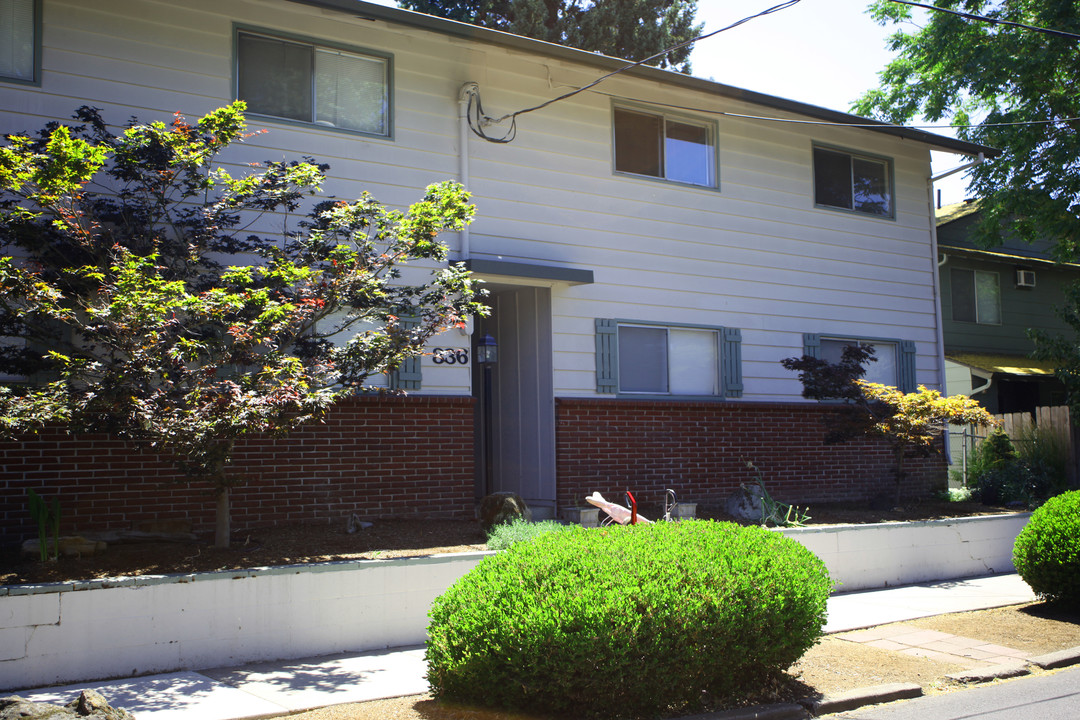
x,y
137,626
864,557
753,254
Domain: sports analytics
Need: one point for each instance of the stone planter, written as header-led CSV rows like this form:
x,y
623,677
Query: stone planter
x,y
585,517
684,511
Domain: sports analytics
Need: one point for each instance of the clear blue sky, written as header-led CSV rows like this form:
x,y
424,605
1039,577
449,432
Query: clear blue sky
x,y
821,52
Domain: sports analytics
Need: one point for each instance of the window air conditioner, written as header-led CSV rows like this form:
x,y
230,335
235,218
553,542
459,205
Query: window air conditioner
x,y
1025,278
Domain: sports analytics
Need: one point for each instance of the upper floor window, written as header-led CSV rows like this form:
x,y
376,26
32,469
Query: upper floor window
x,y
853,182
313,84
976,296
665,147
18,40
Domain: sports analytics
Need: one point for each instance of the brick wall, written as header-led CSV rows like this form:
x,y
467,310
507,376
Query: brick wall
x,y
385,457
699,450
378,457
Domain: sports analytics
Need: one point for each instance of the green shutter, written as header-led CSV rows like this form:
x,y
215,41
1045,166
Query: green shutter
x,y
607,356
731,362
811,343
905,371
408,375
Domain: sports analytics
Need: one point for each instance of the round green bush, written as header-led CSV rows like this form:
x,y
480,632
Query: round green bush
x,y
627,621
1047,551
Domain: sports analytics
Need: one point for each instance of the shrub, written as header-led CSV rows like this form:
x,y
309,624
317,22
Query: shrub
x,y
624,621
504,535
955,494
1011,483
1046,453
1025,473
1047,551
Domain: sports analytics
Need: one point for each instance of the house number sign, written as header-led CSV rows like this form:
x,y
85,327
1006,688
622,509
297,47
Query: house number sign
x,y
450,356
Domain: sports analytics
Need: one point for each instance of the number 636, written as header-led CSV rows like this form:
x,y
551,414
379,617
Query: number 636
x,y
450,356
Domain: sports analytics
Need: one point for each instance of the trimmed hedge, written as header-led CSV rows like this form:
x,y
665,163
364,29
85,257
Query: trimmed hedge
x,y
1047,550
627,621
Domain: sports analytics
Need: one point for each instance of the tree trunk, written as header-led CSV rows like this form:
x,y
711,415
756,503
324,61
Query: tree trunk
x,y
221,525
899,474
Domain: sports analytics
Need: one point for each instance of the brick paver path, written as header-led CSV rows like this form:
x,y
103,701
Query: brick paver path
x,y
935,645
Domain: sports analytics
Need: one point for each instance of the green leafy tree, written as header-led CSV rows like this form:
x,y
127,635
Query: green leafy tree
x,y
1018,88
139,297
911,423
630,29
1063,350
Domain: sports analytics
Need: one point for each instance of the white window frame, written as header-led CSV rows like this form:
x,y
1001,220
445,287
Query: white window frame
x,y
869,376
712,162
979,308
853,156
316,47
30,33
714,370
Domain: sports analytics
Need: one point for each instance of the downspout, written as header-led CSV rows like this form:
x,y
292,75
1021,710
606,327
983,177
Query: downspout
x,y
467,91
937,263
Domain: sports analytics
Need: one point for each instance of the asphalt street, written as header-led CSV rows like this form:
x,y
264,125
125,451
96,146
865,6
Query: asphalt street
x,y
1055,696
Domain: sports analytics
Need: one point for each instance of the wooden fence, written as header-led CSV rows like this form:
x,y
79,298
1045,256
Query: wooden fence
x,y
1017,426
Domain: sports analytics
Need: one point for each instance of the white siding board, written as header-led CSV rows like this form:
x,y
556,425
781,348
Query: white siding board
x,y
753,254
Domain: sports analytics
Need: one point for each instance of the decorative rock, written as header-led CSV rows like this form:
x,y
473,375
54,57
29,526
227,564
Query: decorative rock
x,y
744,503
89,704
502,507
70,546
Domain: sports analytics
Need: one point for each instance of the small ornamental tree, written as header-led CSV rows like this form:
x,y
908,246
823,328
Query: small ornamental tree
x,y
138,297
910,423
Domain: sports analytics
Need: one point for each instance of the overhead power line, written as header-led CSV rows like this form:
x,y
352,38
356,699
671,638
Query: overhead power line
x,y
995,21
831,123
483,120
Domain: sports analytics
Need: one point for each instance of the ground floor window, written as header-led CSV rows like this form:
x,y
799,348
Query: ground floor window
x,y
894,363
642,358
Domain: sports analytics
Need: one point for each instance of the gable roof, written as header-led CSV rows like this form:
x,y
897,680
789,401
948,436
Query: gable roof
x,y
358,8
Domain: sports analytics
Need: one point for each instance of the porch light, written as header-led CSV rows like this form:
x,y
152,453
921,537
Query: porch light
x,y
487,350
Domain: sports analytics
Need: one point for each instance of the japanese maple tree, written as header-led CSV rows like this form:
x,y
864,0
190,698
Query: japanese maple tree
x,y
144,293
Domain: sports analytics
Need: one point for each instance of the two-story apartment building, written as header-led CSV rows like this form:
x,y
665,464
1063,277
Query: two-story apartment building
x,y
654,246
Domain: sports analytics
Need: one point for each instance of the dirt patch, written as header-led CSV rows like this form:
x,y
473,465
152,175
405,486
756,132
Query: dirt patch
x,y
831,666
281,545
320,542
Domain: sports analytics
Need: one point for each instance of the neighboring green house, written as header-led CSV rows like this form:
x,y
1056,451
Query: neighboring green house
x,y
989,300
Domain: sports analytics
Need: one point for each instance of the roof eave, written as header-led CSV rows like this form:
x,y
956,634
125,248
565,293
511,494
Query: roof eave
x,y
359,8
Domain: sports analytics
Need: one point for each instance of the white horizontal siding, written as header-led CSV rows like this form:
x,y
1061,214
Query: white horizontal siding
x,y
753,254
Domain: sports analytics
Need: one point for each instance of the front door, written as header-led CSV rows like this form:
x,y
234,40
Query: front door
x,y
515,438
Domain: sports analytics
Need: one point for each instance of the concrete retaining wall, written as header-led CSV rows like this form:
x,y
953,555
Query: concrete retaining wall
x,y
864,557
71,632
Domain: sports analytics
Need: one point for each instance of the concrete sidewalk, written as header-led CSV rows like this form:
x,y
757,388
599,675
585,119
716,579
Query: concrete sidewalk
x,y
280,688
